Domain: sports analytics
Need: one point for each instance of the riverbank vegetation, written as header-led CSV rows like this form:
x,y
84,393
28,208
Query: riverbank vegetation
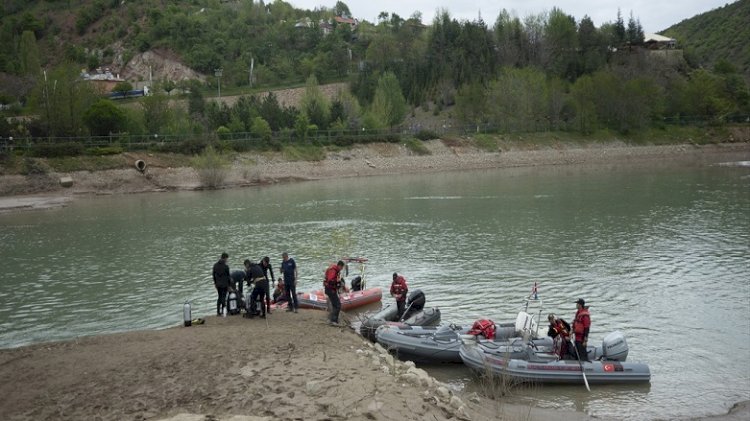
x,y
541,76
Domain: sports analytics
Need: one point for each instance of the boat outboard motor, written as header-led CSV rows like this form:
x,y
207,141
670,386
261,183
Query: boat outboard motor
x,y
233,303
416,300
357,284
615,347
414,304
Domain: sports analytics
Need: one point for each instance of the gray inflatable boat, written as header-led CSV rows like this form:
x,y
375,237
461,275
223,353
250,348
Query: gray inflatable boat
x,y
441,344
415,314
523,362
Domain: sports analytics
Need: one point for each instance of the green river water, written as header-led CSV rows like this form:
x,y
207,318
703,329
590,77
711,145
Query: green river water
x,y
660,253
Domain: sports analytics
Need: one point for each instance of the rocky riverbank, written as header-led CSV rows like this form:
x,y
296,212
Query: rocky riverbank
x,y
18,192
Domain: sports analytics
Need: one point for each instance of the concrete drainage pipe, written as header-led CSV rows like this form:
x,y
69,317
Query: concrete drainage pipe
x,y
140,165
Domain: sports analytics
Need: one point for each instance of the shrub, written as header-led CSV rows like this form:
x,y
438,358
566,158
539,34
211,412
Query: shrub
x,y
416,146
32,166
53,150
211,167
426,135
104,150
485,142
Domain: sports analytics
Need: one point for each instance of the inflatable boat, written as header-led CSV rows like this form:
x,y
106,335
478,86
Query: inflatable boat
x,y
441,344
414,315
522,362
349,300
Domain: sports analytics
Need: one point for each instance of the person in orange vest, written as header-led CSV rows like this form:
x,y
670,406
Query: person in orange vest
x,y
581,325
559,331
331,286
399,289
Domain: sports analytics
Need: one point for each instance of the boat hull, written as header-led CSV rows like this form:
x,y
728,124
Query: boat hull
x,y
349,300
546,368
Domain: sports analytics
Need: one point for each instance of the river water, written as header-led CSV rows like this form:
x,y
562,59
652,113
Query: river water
x,y
660,253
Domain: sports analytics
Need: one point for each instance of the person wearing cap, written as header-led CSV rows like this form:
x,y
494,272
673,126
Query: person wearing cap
x,y
399,289
559,331
581,325
331,286
221,282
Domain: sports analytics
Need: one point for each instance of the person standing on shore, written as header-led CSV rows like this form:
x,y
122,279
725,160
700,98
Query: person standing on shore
x,y
265,264
581,325
260,290
221,282
399,289
331,286
289,272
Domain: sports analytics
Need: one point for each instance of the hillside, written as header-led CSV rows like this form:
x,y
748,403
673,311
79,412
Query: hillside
x,y
722,33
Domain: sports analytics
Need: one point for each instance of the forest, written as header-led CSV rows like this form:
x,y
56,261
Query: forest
x,y
544,72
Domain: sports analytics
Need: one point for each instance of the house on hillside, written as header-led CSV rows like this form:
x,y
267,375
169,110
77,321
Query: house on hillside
x,y
347,21
659,42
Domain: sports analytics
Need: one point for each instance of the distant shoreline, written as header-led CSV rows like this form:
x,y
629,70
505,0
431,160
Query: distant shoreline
x,y
20,193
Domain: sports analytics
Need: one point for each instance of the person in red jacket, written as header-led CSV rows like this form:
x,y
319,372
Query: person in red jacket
x,y
331,286
581,325
559,331
399,289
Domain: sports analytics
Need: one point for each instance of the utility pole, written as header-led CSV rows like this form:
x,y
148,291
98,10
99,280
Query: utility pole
x,y
217,73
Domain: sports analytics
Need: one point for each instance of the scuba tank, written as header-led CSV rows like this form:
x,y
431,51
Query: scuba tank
x,y
232,305
186,314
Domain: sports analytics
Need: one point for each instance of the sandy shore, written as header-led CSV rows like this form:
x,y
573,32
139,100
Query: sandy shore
x,y
294,367
38,192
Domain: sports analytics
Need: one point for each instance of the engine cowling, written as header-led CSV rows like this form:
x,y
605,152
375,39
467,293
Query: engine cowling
x,y
615,347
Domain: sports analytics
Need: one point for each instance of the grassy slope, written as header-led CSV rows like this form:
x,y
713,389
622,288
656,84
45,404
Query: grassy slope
x,y
720,33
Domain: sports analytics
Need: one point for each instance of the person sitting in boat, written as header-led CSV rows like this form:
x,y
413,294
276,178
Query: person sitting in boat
x,y
399,289
279,295
559,331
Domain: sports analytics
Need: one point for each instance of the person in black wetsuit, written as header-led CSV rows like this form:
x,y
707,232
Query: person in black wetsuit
x,y
221,282
265,264
260,289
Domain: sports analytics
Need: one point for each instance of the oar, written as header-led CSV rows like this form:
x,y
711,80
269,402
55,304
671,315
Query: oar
x,y
580,363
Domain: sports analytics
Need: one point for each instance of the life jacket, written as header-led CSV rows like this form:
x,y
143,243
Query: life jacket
x,y
485,327
582,322
332,277
560,329
399,287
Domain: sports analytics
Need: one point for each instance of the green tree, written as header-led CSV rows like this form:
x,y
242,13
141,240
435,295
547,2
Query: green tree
x,y
29,52
261,129
104,118
168,86
593,47
156,113
341,9
519,98
471,103
389,105
62,98
315,105
122,88
561,45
